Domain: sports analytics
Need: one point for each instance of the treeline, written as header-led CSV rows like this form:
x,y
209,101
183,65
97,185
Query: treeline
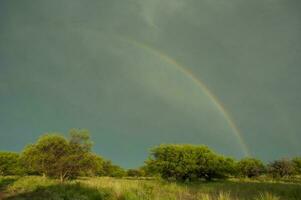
x,y
192,162
56,156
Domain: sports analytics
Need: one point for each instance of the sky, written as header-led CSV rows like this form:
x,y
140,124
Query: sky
x,y
139,73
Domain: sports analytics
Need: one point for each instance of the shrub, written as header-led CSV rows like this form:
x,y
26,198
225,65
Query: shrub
x,y
10,164
297,165
250,167
135,173
112,170
281,168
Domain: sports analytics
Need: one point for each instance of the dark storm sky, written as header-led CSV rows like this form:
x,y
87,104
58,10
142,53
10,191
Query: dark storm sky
x,y
75,64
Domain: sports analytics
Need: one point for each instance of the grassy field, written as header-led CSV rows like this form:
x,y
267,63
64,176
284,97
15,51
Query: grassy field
x,y
36,188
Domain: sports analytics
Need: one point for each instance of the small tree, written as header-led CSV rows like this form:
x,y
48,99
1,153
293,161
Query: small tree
x,y
135,172
250,167
45,156
10,164
281,168
55,156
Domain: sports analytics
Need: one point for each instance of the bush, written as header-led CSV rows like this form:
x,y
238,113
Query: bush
x,y
135,173
112,170
10,164
188,162
250,167
297,165
281,168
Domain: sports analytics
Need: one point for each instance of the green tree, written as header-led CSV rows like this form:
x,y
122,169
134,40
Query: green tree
x,y
109,169
96,166
297,165
188,162
250,167
147,171
55,156
10,164
281,168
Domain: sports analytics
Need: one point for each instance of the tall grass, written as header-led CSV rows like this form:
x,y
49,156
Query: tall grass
x,y
267,196
36,188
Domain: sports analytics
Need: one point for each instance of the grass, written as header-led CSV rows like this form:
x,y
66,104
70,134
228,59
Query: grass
x,y
100,188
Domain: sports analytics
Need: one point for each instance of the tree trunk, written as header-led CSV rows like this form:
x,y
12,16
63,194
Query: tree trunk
x,y
62,177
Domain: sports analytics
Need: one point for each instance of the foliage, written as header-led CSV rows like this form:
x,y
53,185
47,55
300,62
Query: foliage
x,y
147,171
96,166
188,162
135,172
10,164
55,156
112,170
281,168
250,167
297,165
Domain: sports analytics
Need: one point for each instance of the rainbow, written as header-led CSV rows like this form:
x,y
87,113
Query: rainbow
x,y
200,84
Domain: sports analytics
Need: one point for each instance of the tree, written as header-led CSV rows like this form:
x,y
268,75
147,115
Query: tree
x,y
219,167
188,162
297,165
250,167
112,170
96,165
79,158
10,164
147,171
281,168
49,151
55,156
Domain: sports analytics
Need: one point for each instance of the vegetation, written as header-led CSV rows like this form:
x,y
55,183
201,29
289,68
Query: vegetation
x,y
112,170
135,172
10,164
55,156
189,162
54,167
297,165
38,188
250,167
281,168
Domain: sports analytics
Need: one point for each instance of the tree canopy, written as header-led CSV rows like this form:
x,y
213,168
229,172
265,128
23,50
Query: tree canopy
x,y
10,164
55,156
188,162
281,168
250,167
